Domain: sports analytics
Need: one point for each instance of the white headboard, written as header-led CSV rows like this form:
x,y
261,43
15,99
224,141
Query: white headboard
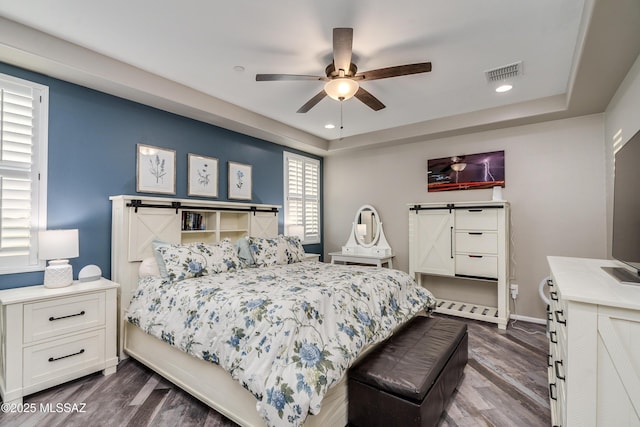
x,y
138,220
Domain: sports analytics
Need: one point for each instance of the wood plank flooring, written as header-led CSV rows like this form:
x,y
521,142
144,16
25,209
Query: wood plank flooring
x,y
504,384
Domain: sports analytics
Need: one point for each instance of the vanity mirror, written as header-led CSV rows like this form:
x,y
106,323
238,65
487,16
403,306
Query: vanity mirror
x,y
367,236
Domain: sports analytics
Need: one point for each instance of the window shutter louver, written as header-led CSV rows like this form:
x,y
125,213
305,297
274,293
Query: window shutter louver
x,y
302,209
18,176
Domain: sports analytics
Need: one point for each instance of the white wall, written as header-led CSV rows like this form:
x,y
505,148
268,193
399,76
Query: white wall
x,y
555,182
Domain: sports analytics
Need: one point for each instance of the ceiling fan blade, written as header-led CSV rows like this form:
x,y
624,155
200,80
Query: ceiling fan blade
x,y
277,77
312,102
399,70
369,100
342,48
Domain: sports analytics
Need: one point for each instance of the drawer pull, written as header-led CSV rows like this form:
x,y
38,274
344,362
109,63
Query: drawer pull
x,y
475,233
53,359
553,337
552,394
51,319
475,210
550,283
558,313
475,256
553,295
558,376
549,358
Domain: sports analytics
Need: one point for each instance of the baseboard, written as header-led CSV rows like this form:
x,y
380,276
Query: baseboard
x,y
520,318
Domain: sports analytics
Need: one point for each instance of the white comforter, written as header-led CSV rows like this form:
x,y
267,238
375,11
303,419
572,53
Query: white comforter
x,y
287,333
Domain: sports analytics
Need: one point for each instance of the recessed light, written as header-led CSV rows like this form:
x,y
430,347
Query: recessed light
x,y
238,68
504,88
329,126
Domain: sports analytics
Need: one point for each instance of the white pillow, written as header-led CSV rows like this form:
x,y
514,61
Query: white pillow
x,y
148,268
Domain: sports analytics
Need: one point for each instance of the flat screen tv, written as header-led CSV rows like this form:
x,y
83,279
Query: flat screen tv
x,y
626,211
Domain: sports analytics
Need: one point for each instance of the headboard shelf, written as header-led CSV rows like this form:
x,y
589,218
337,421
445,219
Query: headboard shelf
x,y
137,203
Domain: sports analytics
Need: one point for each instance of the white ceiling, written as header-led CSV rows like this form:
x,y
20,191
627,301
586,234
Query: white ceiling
x,y
197,43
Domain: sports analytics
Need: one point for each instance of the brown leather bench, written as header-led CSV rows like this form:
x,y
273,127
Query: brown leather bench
x,y
409,379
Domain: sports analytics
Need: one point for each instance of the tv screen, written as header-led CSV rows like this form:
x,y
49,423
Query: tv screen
x,y
626,204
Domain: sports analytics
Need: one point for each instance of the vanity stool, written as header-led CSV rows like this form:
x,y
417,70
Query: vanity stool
x,y
408,379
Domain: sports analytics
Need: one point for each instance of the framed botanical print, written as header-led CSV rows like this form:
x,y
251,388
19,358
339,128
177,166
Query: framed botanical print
x,y
155,170
202,176
239,181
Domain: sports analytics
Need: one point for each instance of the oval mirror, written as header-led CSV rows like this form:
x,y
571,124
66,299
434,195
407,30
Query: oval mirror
x,y
367,226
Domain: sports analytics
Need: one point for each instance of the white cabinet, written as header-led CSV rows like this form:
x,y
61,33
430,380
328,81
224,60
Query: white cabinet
x,y
49,336
464,240
594,345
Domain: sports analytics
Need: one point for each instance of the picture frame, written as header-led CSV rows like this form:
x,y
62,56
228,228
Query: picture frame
x,y
466,172
155,170
239,181
202,176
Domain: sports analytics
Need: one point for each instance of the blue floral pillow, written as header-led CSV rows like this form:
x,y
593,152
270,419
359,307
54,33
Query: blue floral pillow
x,y
264,250
293,250
277,250
198,259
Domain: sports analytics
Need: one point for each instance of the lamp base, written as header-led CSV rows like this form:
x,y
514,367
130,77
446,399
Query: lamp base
x,y
58,274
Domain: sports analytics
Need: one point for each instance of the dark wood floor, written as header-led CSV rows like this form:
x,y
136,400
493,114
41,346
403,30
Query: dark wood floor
x,y
504,385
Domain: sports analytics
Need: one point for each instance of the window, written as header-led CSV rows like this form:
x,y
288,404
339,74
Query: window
x,y
302,197
23,171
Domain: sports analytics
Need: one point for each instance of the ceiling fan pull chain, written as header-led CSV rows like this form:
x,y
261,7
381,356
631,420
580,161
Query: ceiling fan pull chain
x,y
341,126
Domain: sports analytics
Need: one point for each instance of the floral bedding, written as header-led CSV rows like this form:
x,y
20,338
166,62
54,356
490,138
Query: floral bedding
x,y
287,333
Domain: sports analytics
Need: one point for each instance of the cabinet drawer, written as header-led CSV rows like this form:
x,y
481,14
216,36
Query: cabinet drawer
x,y
60,316
63,359
477,265
479,242
476,219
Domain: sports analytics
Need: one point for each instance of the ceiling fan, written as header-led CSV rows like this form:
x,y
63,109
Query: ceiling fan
x,y
342,75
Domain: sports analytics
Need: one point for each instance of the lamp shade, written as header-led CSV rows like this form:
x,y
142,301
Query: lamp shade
x,y
58,244
341,88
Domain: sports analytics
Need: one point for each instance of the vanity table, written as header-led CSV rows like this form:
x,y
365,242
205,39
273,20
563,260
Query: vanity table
x,y
367,243
377,260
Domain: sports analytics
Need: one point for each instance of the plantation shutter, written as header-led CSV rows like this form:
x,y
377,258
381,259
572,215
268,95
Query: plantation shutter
x,y
19,189
302,197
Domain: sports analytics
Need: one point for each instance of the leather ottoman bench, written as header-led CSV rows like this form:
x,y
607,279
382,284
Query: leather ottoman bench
x,y
409,379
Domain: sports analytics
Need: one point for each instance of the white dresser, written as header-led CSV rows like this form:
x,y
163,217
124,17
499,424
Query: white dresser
x,y
594,342
466,240
49,336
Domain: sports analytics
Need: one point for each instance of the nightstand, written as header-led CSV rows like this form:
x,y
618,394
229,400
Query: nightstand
x,y
50,336
311,257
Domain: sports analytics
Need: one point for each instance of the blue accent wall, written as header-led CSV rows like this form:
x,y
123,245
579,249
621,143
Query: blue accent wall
x,y
92,155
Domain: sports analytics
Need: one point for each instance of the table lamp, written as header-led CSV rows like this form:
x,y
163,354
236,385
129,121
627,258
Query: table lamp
x,y
57,246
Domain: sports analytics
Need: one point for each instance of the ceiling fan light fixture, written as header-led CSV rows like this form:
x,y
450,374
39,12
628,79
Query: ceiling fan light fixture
x,y
341,88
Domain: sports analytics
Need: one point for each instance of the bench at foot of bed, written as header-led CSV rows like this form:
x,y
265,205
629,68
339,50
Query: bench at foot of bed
x,y
409,379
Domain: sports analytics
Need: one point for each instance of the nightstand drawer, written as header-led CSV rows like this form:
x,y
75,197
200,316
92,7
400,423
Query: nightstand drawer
x,y
63,359
59,316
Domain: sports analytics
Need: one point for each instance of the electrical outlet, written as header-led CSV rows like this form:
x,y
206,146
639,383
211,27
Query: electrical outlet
x,y
514,291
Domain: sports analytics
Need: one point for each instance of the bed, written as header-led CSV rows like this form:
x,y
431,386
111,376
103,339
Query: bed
x,y
267,344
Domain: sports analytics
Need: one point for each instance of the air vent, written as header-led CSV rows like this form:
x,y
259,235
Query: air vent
x,y
505,72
